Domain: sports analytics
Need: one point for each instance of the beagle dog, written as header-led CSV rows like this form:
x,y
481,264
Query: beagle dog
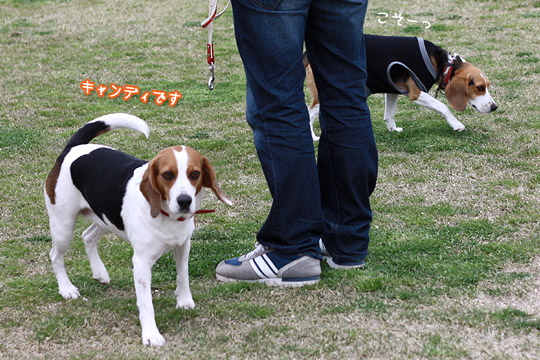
x,y
149,204
411,66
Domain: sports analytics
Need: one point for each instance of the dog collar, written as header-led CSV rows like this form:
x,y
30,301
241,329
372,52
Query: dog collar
x,y
447,74
182,219
449,71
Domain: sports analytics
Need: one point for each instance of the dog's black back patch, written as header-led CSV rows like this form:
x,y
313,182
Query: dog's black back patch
x,y
102,176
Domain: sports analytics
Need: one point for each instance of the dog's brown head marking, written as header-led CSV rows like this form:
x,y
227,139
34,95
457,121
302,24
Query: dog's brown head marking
x,y
164,171
467,84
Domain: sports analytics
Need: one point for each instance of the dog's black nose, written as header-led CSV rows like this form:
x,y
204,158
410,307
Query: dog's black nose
x,y
494,107
184,201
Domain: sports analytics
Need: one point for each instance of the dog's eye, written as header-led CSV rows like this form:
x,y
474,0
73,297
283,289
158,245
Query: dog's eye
x,y
169,176
194,175
481,89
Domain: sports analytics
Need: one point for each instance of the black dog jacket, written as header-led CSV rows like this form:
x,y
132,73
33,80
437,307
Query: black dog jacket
x,y
386,53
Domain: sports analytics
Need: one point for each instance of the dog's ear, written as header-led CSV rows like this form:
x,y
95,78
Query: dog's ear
x,y
457,91
458,62
149,188
209,181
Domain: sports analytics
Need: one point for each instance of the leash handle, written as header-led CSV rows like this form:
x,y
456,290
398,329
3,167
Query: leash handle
x,y
212,11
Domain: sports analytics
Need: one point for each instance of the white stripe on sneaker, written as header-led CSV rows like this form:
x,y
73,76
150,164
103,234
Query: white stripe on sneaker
x,y
256,269
263,267
270,264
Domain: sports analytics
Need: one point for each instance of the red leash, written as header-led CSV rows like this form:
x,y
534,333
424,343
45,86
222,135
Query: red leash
x,y
209,23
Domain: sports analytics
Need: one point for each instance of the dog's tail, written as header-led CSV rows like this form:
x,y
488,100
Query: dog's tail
x,y
104,124
305,59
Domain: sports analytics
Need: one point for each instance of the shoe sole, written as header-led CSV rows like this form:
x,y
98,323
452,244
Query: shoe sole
x,y
333,265
329,260
274,281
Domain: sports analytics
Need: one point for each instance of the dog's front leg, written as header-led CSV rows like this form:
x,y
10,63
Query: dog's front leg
x,y
431,103
142,275
390,107
183,294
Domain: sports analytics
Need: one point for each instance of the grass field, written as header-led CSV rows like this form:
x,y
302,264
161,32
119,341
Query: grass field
x,y
454,263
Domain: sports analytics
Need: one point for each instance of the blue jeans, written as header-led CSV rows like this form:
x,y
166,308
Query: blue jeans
x,y
328,198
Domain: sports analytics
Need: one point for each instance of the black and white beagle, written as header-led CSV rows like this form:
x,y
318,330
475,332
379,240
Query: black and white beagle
x,y
411,66
149,204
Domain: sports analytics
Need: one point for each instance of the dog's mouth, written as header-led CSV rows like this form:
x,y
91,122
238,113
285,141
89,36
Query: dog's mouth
x,y
485,109
179,216
184,212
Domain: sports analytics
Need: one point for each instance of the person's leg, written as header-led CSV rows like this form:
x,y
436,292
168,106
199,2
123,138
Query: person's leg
x,y
347,152
270,37
270,42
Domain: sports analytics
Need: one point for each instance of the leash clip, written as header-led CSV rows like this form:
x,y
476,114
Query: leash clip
x,y
210,60
211,79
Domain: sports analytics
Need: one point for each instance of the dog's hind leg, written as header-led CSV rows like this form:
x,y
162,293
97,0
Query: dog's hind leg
x,y
313,114
62,233
91,237
390,107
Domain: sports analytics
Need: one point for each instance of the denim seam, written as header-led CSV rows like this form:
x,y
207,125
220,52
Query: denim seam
x,y
276,200
331,170
265,7
335,222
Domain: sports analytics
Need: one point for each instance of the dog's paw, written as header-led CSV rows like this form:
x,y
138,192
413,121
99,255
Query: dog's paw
x,y
69,292
459,128
185,303
391,125
102,277
396,129
455,124
153,338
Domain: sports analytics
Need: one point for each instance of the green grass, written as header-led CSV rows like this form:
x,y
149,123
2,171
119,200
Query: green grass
x,y
453,264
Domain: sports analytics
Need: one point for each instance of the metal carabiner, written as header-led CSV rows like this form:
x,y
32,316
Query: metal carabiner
x,y
211,79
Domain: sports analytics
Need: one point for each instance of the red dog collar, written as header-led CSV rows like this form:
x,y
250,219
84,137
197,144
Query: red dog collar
x,y
448,72
196,212
446,75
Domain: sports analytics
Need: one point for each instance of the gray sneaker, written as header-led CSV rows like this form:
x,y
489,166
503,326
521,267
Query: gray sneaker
x,y
265,265
330,261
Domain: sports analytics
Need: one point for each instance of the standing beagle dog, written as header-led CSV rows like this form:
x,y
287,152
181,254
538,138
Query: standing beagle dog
x,y
151,205
411,66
